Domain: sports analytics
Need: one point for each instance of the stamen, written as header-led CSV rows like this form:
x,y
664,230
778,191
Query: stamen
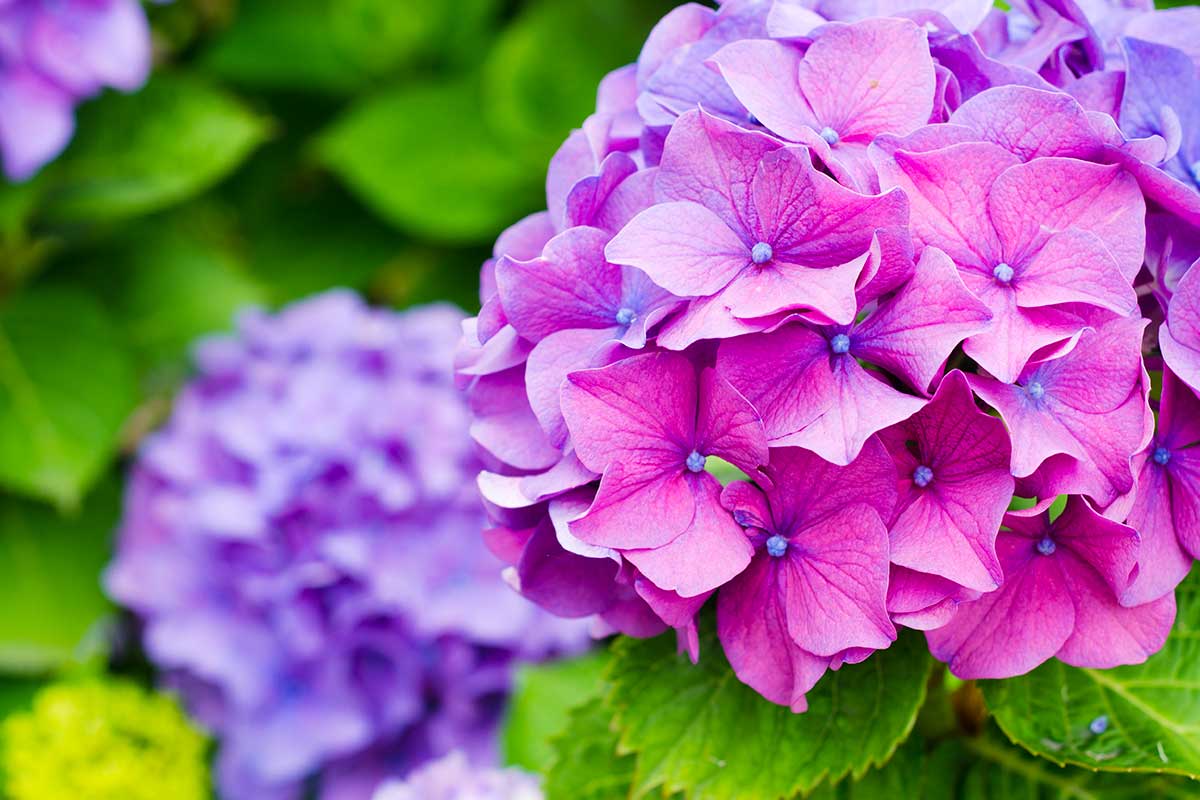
x,y
922,476
776,546
761,253
1162,456
830,136
1046,546
1003,273
840,344
1035,390
695,462
626,316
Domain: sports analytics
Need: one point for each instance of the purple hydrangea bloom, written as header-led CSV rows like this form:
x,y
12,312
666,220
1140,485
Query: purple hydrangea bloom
x,y
940,238
53,54
453,778
300,542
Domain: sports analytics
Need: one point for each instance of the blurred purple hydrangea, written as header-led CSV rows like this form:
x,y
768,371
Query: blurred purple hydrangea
x,y
53,54
453,778
301,543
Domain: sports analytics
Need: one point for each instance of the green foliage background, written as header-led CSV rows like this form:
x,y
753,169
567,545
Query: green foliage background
x,y
281,148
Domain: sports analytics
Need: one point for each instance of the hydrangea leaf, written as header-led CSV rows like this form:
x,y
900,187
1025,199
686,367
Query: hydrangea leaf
x,y
49,585
66,386
179,280
541,697
1140,718
699,731
449,179
587,765
339,46
141,152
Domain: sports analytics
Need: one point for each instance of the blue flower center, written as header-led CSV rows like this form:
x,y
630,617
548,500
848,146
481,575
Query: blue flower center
x,y
695,462
1003,273
830,136
922,476
1162,456
626,316
761,253
1035,390
840,344
1046,546
1099,725
776,546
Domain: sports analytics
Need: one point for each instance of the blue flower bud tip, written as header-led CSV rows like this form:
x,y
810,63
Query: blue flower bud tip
x,y
1162,456
1099,725
626,316
761,253
1046,546
830,136
840,344
695,462
776,546
1003,273
922,476
1035,390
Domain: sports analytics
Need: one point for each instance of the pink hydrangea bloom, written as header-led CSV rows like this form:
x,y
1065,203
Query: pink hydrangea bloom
x,y
898,262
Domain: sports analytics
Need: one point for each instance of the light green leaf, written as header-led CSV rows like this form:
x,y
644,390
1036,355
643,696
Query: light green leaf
x,y
420,158
1151,711
587,765
541,698
699,731
179,278
50,568
137,153
66,386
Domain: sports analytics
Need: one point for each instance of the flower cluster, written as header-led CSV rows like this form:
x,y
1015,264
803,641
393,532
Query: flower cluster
x,y
899,263
54,53
453,778
103,741
301,544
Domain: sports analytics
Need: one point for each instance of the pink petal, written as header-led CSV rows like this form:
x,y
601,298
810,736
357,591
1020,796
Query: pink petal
x,y
1179,338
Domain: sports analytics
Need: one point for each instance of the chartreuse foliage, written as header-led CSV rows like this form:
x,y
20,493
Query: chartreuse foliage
x,y
661,727
1150,712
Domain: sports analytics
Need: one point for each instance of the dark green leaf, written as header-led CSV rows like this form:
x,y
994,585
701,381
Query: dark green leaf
x,y
50,568
1151,711
542,696
141,152
66,386
699,731
421,159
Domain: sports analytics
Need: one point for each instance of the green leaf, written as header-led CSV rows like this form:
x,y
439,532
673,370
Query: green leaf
x,y
540,80
180,277
699,731
587,765
66,386
419,157
50,567
542,696
339,46
141,152
1152,710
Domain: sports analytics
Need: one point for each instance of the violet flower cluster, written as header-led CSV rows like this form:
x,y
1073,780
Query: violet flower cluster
x,y
898,262
301,544
453,778
54,54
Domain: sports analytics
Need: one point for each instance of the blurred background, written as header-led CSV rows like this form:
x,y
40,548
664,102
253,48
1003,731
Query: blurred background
x,y
280,148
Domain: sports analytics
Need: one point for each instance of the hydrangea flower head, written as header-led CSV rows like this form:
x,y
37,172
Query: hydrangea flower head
x,y
105,740
453,778
301,544
901,263
53,54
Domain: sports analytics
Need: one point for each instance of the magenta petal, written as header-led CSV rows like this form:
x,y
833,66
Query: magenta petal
x,y
569,286
923,602
708,554
1015,628
948,526
683,247
870,77
1017,333
563,583
631,511
753,628
728,426
806,488
1179,338
914,332
504,423
862,404
763,74
547,368
836,585
1074,266
1162,561
1029,122
1108,634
